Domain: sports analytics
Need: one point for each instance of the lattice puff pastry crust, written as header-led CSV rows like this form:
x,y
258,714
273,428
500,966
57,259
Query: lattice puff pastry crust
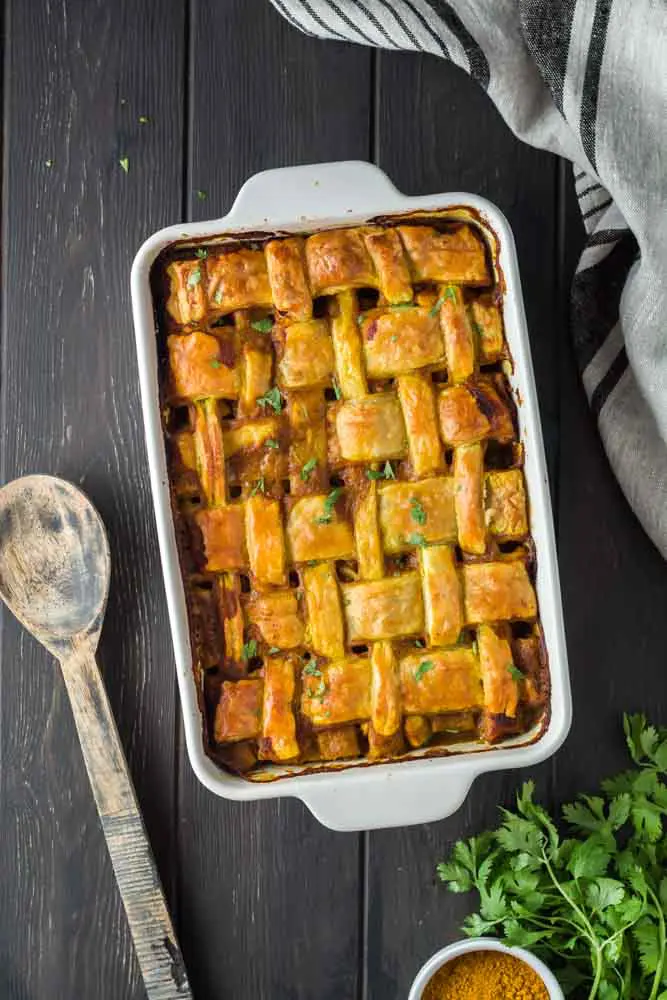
x,y
348,494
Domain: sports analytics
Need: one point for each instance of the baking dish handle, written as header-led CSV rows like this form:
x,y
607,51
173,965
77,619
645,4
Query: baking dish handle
x,y
395,799
316,191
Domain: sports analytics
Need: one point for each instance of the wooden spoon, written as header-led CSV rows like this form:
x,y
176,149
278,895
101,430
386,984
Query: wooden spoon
x,y
54,576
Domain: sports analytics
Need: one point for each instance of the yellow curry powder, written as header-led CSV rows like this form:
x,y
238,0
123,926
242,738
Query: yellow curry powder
x,y
486,975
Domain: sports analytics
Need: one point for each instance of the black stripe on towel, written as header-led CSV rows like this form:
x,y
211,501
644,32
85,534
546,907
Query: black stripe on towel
x,y
330,29
546,28
425,25
477,61
376,24
607,385
596,296
589,98
289,17
596,208
601,236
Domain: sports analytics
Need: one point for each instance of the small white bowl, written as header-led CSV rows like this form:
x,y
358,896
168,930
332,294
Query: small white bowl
x,y
445,955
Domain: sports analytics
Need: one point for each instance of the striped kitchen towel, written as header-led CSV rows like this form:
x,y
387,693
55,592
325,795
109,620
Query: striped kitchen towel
x,y
586,79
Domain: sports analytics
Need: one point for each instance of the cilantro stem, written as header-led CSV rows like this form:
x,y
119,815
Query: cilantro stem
x,y
657,979
585,926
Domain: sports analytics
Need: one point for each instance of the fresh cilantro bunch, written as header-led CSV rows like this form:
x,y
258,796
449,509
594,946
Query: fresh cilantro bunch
x,y
592,905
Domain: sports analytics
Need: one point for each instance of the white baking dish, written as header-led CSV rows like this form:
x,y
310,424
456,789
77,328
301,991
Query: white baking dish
x,y
397,793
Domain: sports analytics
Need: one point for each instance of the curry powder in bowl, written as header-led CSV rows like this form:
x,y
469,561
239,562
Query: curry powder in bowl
x,y
485,975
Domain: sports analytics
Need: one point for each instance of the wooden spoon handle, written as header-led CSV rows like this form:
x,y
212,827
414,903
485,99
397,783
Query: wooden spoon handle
x,y
157,949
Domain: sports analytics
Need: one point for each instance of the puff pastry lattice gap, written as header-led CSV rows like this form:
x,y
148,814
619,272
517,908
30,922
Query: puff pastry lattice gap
x,y
349,496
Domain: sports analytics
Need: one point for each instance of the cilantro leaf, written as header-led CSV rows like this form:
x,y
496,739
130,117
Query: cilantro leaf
x,y
417,512
515,673
194,277
259,487
388,471
249,649
272,443
423,668
329,505
308,468
336,387
262,325
415,538
271,398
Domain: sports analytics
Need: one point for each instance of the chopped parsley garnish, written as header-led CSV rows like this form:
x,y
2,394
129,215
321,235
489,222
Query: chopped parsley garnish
x,y
259,487
271,398
402,305
273,650
272,443
417,512
514,672
419,643
144,119
320,690
360,319
385,473
312,669
476,328
202,253
194,277
249,649
218,297
215,363
201,195
262,325
415,538
450,294
125,163
329,505
423,668
394,339
308,468
336,387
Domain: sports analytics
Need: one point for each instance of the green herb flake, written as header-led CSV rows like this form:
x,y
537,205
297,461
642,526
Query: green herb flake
x,y
394,338
423,668
308,468
336,387
360,319
201,195
415,538
194,277
262,325
514,672
450,293
477,328
271,398
202,253
320,690
312,670
329,504
388,471
144,119
419,643
273,650
417,512
125,163
400,306
249,650
216,363
48,163
272,443
374,474
259,487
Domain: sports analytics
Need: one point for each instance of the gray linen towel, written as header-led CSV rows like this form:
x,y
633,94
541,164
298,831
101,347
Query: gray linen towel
x,y
586,79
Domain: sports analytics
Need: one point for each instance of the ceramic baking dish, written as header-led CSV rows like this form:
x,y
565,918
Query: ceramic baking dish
x,y
396,793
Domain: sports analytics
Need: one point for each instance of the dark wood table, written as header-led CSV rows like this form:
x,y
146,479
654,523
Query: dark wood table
x,y
269,905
